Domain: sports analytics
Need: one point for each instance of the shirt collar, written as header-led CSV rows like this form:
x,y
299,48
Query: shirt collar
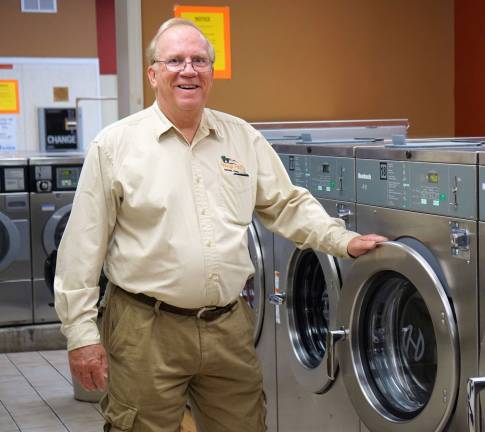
x,y
208,123
163,124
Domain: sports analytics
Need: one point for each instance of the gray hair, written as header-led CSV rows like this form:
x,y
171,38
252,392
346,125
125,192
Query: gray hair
x,y
152,47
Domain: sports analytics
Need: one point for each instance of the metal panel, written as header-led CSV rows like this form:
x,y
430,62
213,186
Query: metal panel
x,y
424,187
460,275
399,259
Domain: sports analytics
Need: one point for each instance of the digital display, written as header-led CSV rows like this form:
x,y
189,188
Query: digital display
x,y
326,168
433,177
14,179
67,177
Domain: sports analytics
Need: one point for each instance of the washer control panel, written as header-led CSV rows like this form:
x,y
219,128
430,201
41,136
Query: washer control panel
x,y
328,177
436,188
13,179
49,178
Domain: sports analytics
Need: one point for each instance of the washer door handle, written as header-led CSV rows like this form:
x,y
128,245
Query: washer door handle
x,y
474,387
277,299
333,336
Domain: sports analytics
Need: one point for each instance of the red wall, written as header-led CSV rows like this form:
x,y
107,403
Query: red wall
x,y
105,24
469,67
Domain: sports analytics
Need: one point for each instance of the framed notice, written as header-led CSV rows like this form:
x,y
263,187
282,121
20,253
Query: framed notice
x,y
9,97
214,23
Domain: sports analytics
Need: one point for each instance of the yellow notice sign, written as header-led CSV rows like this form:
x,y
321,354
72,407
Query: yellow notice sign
x,y
9,97
214,23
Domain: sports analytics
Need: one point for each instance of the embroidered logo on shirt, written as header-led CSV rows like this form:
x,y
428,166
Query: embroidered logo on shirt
x,y
231,165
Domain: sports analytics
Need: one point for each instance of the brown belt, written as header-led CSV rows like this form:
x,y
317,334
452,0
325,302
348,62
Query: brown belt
x,y
207,313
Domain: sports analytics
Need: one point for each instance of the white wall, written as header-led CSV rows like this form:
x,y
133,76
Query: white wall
x,y
37,77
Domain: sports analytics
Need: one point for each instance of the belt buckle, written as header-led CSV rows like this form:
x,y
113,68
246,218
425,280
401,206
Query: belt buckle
x,y
203,310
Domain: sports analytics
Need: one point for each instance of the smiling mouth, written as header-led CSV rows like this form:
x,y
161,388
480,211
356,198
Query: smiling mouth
x,y
188,87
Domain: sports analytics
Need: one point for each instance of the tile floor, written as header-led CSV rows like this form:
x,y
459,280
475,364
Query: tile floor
x,y
36,395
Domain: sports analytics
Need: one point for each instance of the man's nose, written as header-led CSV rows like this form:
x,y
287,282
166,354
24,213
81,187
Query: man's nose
x,y
188,68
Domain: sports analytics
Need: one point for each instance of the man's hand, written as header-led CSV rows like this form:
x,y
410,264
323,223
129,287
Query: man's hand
x,y
360,245
89,366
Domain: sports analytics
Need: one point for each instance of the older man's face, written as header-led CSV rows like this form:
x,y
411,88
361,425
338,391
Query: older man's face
x,y
185,92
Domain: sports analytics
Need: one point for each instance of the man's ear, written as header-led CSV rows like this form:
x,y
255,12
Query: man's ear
x,y
151,76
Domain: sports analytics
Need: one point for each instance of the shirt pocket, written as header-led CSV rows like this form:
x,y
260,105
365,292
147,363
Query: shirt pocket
x,y
237,196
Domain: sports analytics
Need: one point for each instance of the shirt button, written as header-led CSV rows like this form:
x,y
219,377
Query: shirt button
x,y
203,212
208,243
197,179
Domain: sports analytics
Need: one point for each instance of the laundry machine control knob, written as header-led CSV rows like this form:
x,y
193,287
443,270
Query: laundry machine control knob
x,y
44,186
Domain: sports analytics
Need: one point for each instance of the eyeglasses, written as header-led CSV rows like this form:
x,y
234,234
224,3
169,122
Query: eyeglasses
x,y
199,64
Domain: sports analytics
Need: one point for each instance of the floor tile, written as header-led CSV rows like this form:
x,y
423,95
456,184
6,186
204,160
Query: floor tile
x,y
36,395
6,421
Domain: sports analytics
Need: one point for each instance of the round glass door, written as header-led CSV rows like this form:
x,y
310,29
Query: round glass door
x,y
398,345
400,356
312,297
55,227
9,241
254,290
310,310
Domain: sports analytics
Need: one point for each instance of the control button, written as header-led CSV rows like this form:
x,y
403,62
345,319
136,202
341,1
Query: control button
x,y
44,186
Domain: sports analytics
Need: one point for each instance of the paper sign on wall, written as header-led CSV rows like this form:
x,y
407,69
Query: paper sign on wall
x,y
8,133
214,23
9,97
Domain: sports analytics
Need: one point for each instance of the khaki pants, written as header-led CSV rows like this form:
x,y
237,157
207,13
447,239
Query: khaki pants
x,y
159,360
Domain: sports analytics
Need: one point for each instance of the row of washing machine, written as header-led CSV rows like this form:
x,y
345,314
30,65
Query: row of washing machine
x,y
271,338
389,341
36,193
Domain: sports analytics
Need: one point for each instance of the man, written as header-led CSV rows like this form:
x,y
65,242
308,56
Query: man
x,y
164,201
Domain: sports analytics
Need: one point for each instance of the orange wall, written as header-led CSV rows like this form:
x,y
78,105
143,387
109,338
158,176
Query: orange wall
x,y
325,59
71,32
470,68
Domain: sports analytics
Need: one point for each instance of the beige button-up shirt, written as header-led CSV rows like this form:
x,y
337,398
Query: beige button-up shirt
x,y
170,219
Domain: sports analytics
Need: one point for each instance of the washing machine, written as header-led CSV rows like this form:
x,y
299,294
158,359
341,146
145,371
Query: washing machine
x,y
260,244
308,133
476,401
53,181
308,287
406,332
15,266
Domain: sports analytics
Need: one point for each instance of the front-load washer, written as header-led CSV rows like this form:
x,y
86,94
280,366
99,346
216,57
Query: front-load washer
x,y
406,335
260,245
476,401
15,265
53,181
307,292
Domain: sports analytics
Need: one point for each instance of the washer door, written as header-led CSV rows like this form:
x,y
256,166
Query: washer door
x,y
54,228
254,290
312,295
399,358
9,242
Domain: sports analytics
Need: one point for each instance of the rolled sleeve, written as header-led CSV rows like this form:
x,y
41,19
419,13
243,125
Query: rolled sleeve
x,y
82,250
293,212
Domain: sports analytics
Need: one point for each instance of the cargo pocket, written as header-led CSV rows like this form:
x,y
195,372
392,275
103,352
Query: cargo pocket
x,y
117,414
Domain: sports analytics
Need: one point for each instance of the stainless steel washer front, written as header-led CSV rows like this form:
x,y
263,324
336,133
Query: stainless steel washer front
x,y
407,332
53,181
15,263
260,245
401,349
